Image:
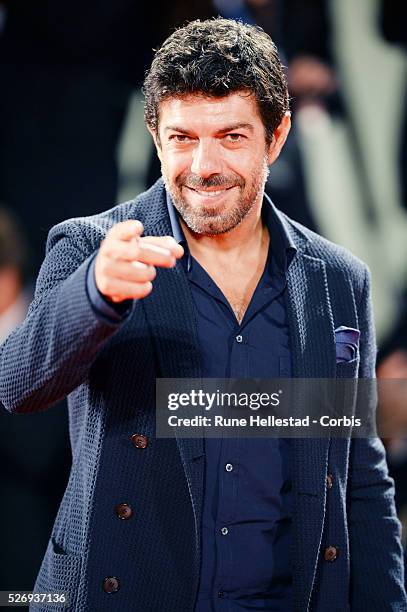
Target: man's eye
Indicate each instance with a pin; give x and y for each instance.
(180, 137)
(234, 137)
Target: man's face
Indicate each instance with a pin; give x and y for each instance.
(214, 158)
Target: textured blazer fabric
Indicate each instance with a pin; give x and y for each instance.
(346, 551)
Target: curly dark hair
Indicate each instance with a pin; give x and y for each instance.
(217, 57)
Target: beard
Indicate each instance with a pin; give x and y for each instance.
(219, 218)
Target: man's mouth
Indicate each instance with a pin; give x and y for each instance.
(211, 192)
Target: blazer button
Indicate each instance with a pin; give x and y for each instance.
(111, 584)
(124, 511)
(139, 440)
(331, 553)
(329, 481)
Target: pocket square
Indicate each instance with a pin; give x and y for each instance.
(347, 343)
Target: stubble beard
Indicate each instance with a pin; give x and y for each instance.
(215, 220)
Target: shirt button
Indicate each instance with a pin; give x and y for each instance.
(239, 338)
(224, 531)
(228, 467)
(220, 594)
(111, 584)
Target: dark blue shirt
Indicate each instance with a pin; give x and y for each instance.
(247, 501)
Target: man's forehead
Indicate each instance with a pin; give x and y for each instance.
(238, 107)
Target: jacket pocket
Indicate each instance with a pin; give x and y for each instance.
(348, 369)
(59, 573)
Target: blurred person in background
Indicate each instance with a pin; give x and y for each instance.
(14, 298)
(392, 356)
(392, 375)
(302, 30)
(392, 411)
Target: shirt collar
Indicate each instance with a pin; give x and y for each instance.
(282, 244)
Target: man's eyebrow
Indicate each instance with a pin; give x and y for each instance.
(174, 128)
(236, 126)
(229, 128)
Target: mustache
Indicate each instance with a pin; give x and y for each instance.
(197, 182)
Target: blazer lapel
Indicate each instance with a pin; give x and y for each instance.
(313, 353)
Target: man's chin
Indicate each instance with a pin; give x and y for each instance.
(204, 215)
(211, 217)
(212, 225)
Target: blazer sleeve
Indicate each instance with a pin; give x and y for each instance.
(377, 571)
(51, 352)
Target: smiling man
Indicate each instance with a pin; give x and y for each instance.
(215, 170)
(202, 276)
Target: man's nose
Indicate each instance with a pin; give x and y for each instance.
(205, 159)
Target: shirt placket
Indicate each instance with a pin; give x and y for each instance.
(225, 527)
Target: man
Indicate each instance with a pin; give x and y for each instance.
(179, 525)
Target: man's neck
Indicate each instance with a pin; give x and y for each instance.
(235, 261)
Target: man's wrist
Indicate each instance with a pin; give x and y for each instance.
(111, 311)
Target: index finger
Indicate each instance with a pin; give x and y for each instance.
(126, 230)
(167, 242)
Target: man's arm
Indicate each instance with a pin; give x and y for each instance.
(50, 354)
(377, 572)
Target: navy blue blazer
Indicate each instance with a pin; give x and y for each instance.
(108, 371)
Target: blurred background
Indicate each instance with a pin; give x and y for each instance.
(73, 143)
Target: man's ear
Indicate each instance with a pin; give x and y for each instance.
(279, 137)
(156, 141)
